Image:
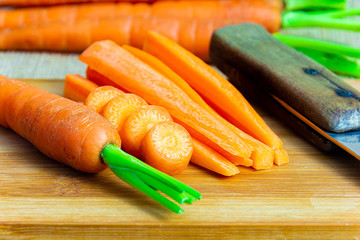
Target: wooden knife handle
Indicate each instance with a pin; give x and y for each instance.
(302, 83)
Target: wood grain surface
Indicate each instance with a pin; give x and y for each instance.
(315, 196)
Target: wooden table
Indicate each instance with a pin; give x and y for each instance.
(315, 196)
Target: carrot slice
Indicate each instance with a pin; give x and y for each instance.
(212, 86)
(100, 96)
(118, 109)
(138, 124)
(167, 147)
(77, 88)
(137, 77)
(281, 157)
(262, 156)
(210, 159)
(100, 79)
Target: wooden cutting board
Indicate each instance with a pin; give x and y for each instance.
(315, 196)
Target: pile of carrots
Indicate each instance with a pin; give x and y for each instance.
(73, 27)
(225, 130)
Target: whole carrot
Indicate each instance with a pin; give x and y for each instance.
(71, 133)
(78, 32)
(265, 12)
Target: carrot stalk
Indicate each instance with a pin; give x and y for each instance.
(73, 134)
(213, 87)
(295, 5)
(139, 78)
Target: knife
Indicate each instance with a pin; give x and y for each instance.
(310, 98)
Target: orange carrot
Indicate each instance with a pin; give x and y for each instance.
(77, 88)
(262, 156)
(62, 129)
(167, 146)
(100, 96)
(265, 12)
(100, 79)
(202, 154)
(210, 159)
(213, 87)
(118, 109)
(137, 77)
(76, 36)
(138, 124)
(27, 3)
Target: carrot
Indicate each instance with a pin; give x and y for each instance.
(137, 77)
(208, 158)
(138, 124)
(100, 79)
(28, 3)
(213, 87)
(265, 12)
(76, 36)
(202, 154)
(118, 109)
(100, 96)
(167, 146)
(60, 128)
(262, 156)
(71, 133)
(77, 88)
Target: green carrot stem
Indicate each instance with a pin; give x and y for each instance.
(292, 5)
(319, 45)
(147, 179)
(326, 19)
(337, 63)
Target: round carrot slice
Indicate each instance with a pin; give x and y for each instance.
(118, 109)
(167, 147)
(138, 124)
(100, 96)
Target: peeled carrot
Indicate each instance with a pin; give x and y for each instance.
(167, 146)
(265, 12)
(262, 156)
(100, 79)
(77, 88)
(100, 96)
(60, 128)
(139, 78)
(214, 88)
(202, 154)
(118, 109)
(76, 36)
(138, 124)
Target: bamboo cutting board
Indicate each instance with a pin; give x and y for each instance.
(315, 196)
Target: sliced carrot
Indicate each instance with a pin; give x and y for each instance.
(138, 124)
(130, 73)
(118, 109)
(281, 157)
(262, 156)
(100, 96)
(210, 159)
(213, 87)
(77, 88)
(100, 79)
(167, 147)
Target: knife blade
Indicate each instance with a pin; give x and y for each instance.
(310, 98)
